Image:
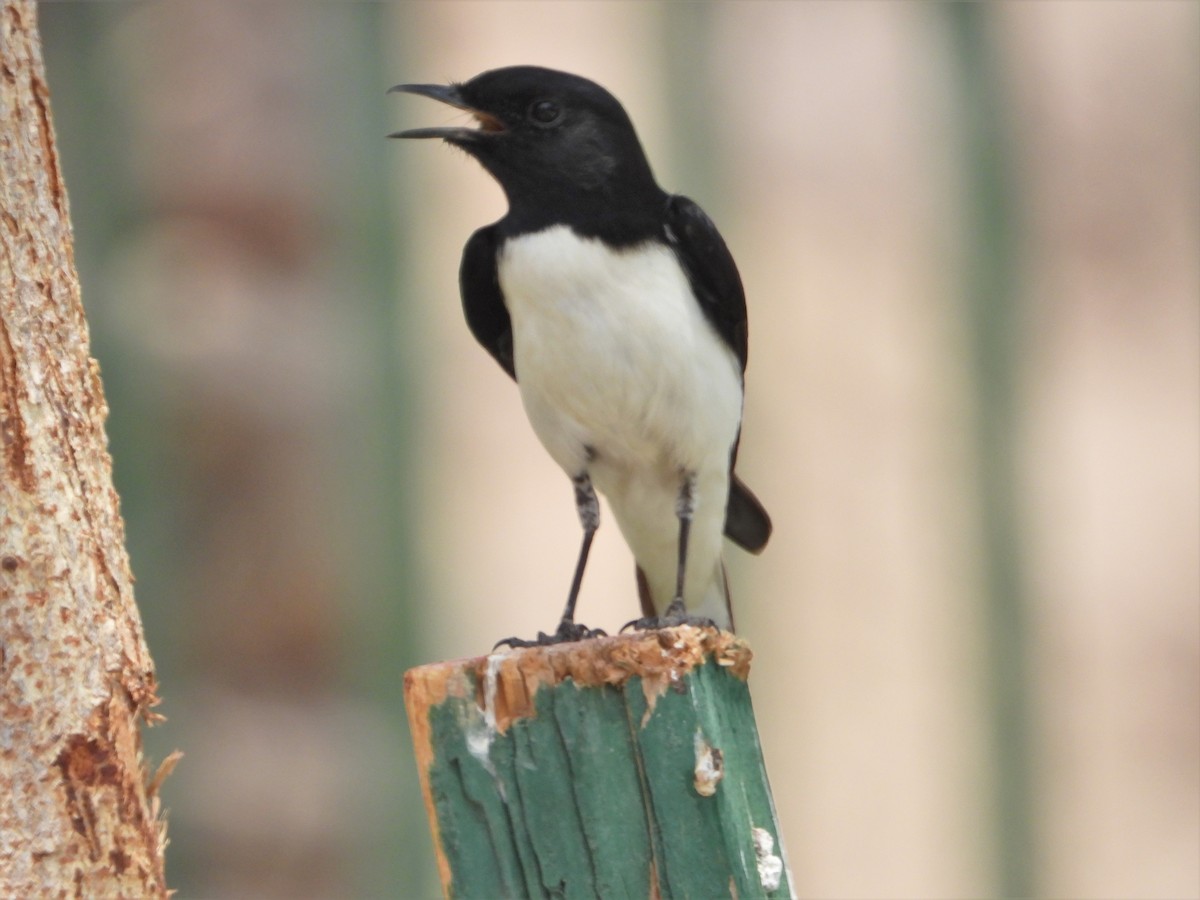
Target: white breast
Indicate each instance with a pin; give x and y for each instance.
(614, 354)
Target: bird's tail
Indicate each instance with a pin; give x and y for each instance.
(720, 584)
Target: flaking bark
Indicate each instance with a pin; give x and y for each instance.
(76, 817)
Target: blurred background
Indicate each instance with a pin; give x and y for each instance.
(969, 240)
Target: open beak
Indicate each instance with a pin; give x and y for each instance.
(448, 94)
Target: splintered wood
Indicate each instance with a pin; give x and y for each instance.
(619, 766)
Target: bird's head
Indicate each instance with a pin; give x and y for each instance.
(547, 137)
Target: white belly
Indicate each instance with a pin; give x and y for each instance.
(623, 377)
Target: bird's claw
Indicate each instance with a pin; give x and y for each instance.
(567, 632)
(676, 614)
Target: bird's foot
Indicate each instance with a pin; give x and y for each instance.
(567, 632)
(676, 614)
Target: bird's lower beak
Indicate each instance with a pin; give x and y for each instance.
(448, 94)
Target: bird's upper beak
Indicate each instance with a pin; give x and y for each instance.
(451, 96)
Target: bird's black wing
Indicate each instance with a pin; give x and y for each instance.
(482, 299)
(713, 277)
(710, 269)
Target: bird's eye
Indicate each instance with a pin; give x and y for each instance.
(544, 112)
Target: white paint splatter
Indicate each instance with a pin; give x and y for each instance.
(770, 866)
(710, 766)
(479, 740)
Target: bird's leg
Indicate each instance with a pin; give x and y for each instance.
(685, 505)
(589, 517)
(676, 613)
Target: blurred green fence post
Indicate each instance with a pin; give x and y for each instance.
(990, 304)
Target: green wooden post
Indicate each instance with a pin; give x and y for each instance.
(626, 766)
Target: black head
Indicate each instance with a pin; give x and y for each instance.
(554, 141)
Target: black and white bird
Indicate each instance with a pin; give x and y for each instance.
(620, 313)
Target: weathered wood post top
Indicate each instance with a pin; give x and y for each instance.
(623, 766)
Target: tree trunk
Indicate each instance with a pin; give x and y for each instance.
(76, 816)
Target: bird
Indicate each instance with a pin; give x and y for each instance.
(618, 310)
